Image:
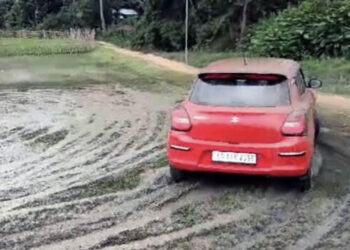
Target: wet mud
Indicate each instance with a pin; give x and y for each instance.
(86, 169)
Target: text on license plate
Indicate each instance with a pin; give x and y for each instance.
(229, 157)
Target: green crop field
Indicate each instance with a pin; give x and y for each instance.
(36, 46)
(20, 65)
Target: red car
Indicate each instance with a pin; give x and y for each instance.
(249, 117)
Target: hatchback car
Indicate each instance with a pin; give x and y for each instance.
(248, 117)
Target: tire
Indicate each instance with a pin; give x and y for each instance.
(306, 182)
(317, 126)
(177, 175)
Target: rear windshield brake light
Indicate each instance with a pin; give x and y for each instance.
(216, 76)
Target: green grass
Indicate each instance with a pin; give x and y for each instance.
(199, 58)
(102, 65)
(190, 215)
(127, 180)
(335, 73)
(228, 202)
(130, 179)
(99, 66)
(120, 40)
(36, 46)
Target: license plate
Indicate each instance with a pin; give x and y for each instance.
(238, 158)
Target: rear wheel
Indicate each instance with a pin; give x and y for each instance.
(176, 174)
(306, 182)
(317, 126)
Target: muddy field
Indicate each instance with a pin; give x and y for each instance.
(85, 168)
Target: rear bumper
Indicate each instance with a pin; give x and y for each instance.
(288, 158)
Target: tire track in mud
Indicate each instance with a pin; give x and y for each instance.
(78, 154)
(88, 171)
(108, 139)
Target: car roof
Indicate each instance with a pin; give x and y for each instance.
(271, 66)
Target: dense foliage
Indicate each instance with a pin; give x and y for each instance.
(58, 14)
(290, 28)
(214, 23)
(313, 29)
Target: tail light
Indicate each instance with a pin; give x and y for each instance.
(295, 125)
(180, 120)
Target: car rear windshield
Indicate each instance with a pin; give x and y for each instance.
(241, 91)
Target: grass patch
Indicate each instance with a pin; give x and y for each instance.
(228, 202)
(119, 39)
(335, 73)
(128, 180)
(138, 73)
(160, 162)
(39, 47)
(190, 215)
(102, 65)
(199, 59)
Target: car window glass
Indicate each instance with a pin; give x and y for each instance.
(241, 93)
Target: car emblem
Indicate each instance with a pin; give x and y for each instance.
(235, 120)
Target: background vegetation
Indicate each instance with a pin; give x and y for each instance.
(102, 65)
(214, 23)
(58, 14)
(284, 28)
(36, 46)
(334, 72)
(316, 32)
(316, 28)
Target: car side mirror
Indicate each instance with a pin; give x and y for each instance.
(315, 83)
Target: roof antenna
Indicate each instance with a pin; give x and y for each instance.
(245, 61)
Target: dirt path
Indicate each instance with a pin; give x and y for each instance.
(85, 169)
(160, 61)
(324, 99)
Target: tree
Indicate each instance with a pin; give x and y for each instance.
(103, 22)
(244, 21)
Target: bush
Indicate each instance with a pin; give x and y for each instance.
(118, 38)
(166, 35)
(120, 35)
(313, 29)
(35, 46)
